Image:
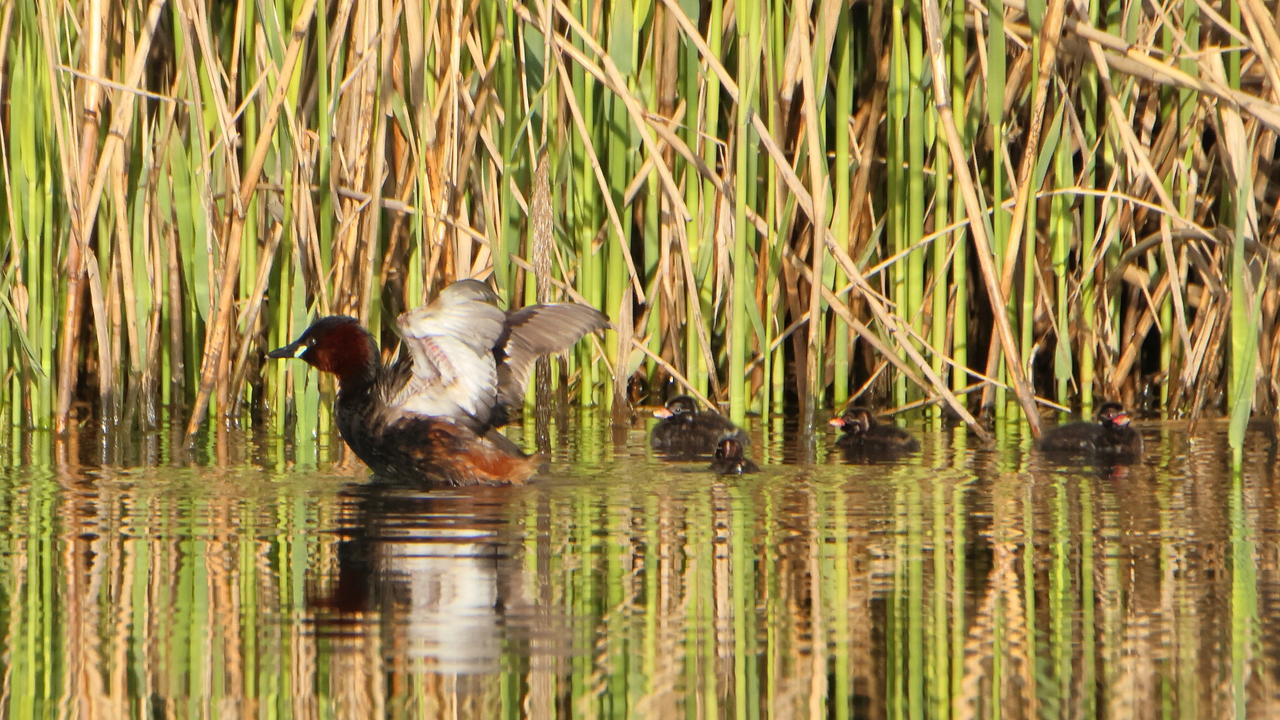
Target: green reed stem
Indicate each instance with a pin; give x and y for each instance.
(917, 134)
(840, 179)
(623, 144)
(509, 92)
(1245, 308)
(959, 243)
(583, 208)
(1091, 102)
(939, 251)
(773, 381)
(748, 27)
(1000, 220)
(699, 225)
(1060, 229)
(896, 158)
(1187, 102)
(700, 245)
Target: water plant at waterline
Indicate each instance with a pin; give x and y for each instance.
(984, 209)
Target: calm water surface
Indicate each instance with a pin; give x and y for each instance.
(966, 581)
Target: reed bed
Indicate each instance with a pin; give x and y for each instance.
(985, 209)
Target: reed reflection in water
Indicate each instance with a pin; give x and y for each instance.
(958, 582)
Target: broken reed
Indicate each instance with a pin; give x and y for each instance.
(186, 186)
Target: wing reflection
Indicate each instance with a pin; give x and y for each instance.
(433, 573)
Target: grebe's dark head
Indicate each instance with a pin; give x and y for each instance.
(729, 448)
(854, 421)
(1113, 415)
(678, 405)
(335, 344)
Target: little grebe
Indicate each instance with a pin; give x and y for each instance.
(864, 439)
(729, 459)
(686, 431)
(1111, 436)
(431, 417)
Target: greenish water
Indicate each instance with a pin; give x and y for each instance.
(964, 581)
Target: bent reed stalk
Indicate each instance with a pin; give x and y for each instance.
(788, 204)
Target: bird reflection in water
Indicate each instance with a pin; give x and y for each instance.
(432, 573)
